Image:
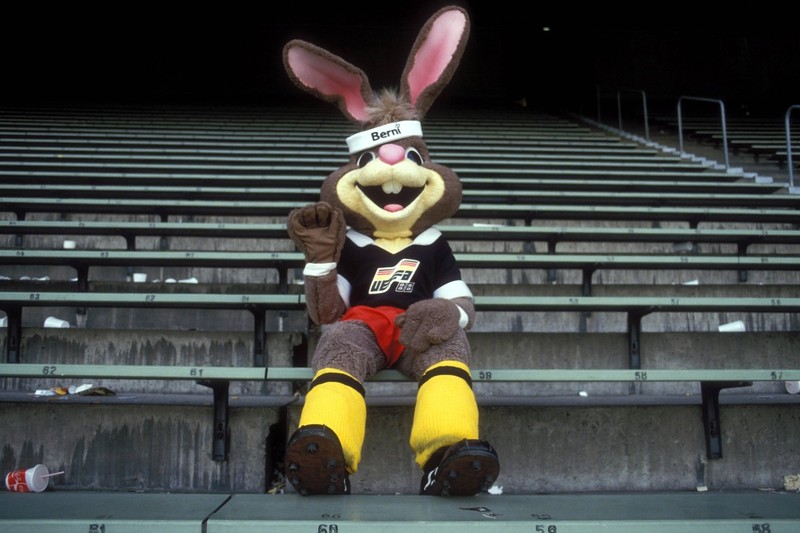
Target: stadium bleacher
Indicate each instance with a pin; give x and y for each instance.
(605, 275)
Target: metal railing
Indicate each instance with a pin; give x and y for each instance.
(644, 111)
(619, 109)
(724, 125)
(789, 160)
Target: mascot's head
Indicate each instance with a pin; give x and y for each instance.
(390, 188)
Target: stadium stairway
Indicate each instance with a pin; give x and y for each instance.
(758, 140)
(634, 353)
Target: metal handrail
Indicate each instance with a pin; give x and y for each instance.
(789, 161)
(597, 94)
(644, 111)
(724, 125)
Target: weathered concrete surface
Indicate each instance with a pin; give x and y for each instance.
(144, 447)
(150, 347)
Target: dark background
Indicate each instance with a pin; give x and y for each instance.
(229, 54)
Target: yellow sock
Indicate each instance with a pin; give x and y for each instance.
(335, 402)
(446, 410)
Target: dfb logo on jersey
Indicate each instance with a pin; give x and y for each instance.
(401, 274)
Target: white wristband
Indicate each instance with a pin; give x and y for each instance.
(318, 269)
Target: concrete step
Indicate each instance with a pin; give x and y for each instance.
(488, 320)
(542, 449)
(689, 512)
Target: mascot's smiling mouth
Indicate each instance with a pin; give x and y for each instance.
(390, 201)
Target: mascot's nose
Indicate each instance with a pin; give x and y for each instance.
(391, 154)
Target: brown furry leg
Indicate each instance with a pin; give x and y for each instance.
(326, 447)
(349, 346)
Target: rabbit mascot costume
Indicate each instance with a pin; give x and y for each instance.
(382, 281)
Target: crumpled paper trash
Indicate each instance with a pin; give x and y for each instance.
(86, 389)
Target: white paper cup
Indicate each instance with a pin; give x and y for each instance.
(736, 325)
(793, 387)
(34, 479)
(70, 245)
(139, 277)
(53, 322)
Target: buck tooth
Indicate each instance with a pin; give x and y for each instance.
(392, 187)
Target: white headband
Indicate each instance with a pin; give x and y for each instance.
(383, 134)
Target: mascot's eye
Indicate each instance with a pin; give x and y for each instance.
(365, 158)
(413, 155)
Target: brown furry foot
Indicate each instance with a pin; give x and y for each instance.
(463, 469)
(315, 462)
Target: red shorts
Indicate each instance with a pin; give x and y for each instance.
(381, 321)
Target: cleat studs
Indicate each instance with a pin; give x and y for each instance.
(331, 463)
(312, 448)
(294, 467)
(476, 465)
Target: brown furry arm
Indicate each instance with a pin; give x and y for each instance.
(319, 232)
(323, 301)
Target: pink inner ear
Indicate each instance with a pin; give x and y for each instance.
(329, 79)
(435, 54)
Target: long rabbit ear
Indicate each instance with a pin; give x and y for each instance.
(434, 57)
(328, 77)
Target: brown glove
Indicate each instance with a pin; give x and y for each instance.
(428, 322)
(318, 230)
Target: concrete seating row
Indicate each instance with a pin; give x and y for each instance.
(164, 209)
(588, 264)
(552, 235)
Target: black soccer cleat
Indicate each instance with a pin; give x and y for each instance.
(466, 468)
(315, 462)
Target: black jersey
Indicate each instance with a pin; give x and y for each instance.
(372, 276)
